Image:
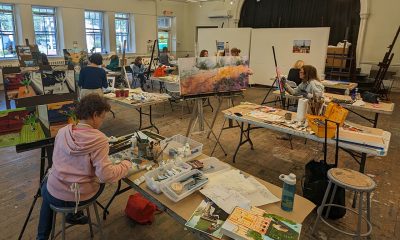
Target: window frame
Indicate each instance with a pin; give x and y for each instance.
(126, 18)
(13, 32)
(166, 29)
(95, 31)
(46, 33)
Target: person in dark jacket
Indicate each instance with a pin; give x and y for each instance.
(294, 72)
(93, 78)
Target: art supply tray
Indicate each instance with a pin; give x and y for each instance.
(151, 177)
(179, 141)
(213, 165)
(189, 186)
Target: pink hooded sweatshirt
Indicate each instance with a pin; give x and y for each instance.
(81, 156)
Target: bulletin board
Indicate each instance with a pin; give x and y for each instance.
(237, 37)
(307, 44)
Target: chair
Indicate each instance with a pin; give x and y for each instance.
(353, 181)
(66, 210)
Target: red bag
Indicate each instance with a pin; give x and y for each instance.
(140, 209)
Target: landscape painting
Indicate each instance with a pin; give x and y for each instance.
(208, 75)
(20, 125)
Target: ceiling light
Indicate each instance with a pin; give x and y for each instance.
(231, 2)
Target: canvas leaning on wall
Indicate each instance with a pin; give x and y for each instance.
(208, 75)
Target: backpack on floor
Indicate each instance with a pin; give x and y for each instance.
(140, 209)
(315, 182)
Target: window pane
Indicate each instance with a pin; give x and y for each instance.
(121, 30)
(7, 34)
(94, 30)
(44, 22)
(163, 38)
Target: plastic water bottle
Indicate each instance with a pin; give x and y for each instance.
(355, 94)
(288, 191)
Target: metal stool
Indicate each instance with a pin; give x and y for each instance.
(353, 181)
(66, 210)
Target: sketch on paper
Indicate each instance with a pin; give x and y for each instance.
(213, 75)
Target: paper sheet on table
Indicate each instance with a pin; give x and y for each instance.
(266, 116)
(250, 188)
(225, 198)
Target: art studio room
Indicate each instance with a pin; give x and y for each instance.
(199, 119)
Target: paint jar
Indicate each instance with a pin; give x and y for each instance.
(288, 191)
(117, 93)
(126, 93)
(288, 116)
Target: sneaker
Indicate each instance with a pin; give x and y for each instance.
(77, 219)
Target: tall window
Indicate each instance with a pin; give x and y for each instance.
(122, 30)
(7, 31)
(44, 23)
(164, 32)
(94, 31)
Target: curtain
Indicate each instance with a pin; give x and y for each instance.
(340, 15)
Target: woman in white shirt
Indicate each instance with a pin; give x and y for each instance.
(310, 84)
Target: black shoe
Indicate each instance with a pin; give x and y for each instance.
(77, 219)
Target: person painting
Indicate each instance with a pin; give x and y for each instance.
(114, 62)
(164, 57)
(310, 83)
(204, 53)
(235, 52)
(138, 70)
(80, 162)
(93, 78)
(294, 72)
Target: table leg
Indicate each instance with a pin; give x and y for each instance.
(112, 198)
(151, 120)
(140, 118)
(241, 141)
(376, 119)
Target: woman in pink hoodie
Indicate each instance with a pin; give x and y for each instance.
(80, 162)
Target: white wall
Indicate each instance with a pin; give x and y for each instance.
(382, 23)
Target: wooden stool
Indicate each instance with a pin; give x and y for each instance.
(353, 181)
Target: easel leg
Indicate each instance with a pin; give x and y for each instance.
(219, 136)
(151, 120)
(44, 150)
(215, 116)
(376, 120)
(200, 109)
(140, 118)
(193, 117)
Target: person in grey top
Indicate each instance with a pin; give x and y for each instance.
(310, 84)
(164, 57)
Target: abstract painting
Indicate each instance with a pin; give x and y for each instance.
(209, 75)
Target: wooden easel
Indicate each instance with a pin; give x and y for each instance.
(379, 87)
(124, 74)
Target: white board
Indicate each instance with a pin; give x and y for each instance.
(237, 37)
(261, 56)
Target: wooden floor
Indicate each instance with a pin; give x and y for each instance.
(19, 175)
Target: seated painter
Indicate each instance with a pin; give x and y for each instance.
(114, 62)
(235, 52)
(294, 72)
(165, 57)
(80, 162)
(310, 83)
(138, 70)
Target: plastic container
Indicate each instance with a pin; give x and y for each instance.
(151, 176)
(288, 191)
(213, 165)
(179, 141)
(187, 189)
